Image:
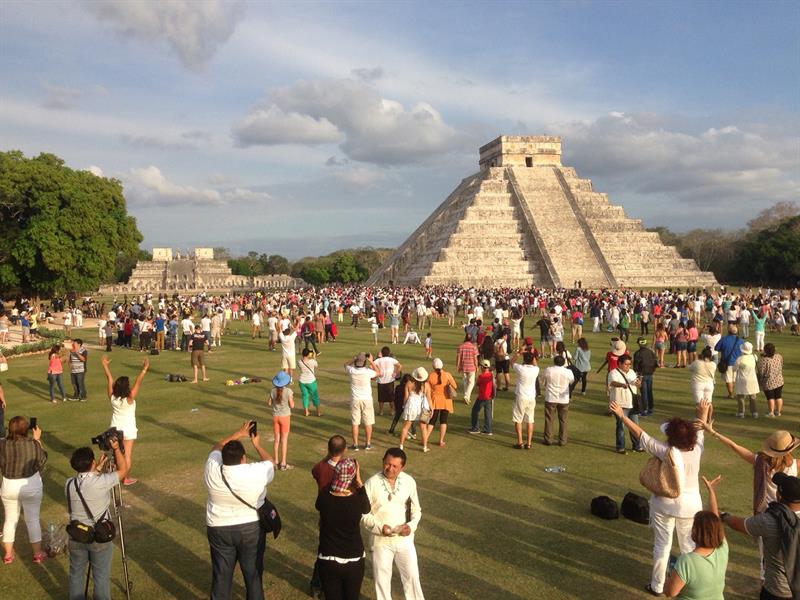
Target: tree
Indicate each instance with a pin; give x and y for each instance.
(315, 274)
(771, 217)
(60, 229)
(772, 256)
(275, 264)
(124, 264)
(344, 269)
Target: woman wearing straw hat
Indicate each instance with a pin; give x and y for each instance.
(416, 402)
(281, 399)
(341, 549)
(746, 381)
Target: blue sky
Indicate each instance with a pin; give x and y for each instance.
(300, 128)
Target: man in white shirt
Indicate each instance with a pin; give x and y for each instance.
(187, 326)
(233, 528)
(205, 326)
(389, 368)
(288, 358)
(272, 325)
(524, 398)
(557, 380)
(622, 383)
(362, 412)
(391, 538)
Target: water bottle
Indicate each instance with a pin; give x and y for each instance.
(555, 469)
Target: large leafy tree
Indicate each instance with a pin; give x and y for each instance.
(772, 256)
(60, 229)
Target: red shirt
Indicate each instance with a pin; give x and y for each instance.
(324, 473)
(613, 360)
(485, 385)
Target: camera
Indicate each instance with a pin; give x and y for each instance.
(32, 423)
(253, 429)
(103, 441)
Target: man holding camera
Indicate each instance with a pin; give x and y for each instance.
(94, 486)
(362, 412)
(233, 528)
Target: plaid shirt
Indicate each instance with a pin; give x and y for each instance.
(21, 458)
(468, 357)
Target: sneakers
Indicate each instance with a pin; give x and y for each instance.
(401, 446)
(755, 415)
(621, 451)
(771, 415)
(486, 433)
(368, 447)
(740, 415)
(426, 449)
(473, 430)
(353, 448)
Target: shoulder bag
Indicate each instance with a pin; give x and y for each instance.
(661, 476)
(103, 530)
(635, 398)
(268, 515)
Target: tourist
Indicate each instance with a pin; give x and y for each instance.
(394, 326)
(272, 326)
(340, 552)
(746, 380)
(545, 333)
(466, 364)
(199, 342)
(769, 371)
(216, 330)
(558, 380)
(777, 527)
(701, 572)
(255, 325)
(399, 403)
(94, 487)
(416, 401)
(362, 412)
(308, 335)
(323, 471)
(428, 345)
(729, 349)
(523, 410)
(308, 381)
(281, 399)
(671, 514)
(77, 370)
(235, 487)
(288, 351)
(583, 358)
(21, 461)
(187, 327)
(660, 338)
(55, 368)
(703, 373)
(691, 346)
(645, 363)
(760, 330)
(159, 326)
(501, 361)
(710, 339)
(393, 518)
(389, 368)
(123, 408)
(486, 394)
(577, 323)
(3, 328)
(621, 383)
(681, 346)
(442, 387)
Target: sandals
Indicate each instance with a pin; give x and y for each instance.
(9, 558)
(39, 557)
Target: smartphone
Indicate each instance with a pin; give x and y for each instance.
(253, 431)
(32, 422)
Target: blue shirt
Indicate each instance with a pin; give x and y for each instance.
(159, 324)
(730, 348)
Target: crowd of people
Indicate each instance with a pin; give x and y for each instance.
(706, 333)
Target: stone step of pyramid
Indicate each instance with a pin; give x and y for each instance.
(616, 225)
(482, 228)
(495, 238)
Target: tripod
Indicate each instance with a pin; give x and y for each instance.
(116, 501)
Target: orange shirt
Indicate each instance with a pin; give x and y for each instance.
(438, 399)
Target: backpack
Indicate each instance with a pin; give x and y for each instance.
(636, 508)
(605, 508)
(789, 525)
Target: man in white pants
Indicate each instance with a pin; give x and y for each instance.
(391, 536)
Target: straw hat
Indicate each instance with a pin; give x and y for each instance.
(747, 348)
(779, 443)
(618, 348)
(420, 374)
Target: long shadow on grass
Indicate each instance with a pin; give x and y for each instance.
(34, 387)
(178, 429)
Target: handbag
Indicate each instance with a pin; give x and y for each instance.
(426, 413)
(636, 406)
(268, 515)
(103, 530)
(661, 476)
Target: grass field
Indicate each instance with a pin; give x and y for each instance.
(494, 523)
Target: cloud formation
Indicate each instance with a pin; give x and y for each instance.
(375, 129)
(650, 154)
(148, 186)
(60, 97)
(193, 29)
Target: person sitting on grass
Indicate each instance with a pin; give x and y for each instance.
(281, 399)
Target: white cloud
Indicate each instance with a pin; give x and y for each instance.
(360, 177)
(193, 29)
(61, 97)
(368, 74)
(272, 126)
(94, 170)
(149, 186)
(376, 129)
(733, 167)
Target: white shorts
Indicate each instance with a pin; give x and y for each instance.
(289, 361)
(730, 375)
(523, 411)
(702, 391)
(362, 412)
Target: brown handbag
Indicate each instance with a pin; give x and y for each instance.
(661, 477)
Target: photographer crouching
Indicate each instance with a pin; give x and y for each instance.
(91, 531)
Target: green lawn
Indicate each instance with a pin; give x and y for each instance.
(494, 524)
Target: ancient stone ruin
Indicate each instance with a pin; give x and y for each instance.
(197, 272)
(525, 220)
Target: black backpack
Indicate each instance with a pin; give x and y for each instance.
(636, 508)
(605, 508)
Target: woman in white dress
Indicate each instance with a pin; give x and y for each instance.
(417, 400)
(703, 372)
(123, 407)
(746, 385)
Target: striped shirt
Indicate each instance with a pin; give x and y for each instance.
(21, 458)
(468, 357)
(76, 365)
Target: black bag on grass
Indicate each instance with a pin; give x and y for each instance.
(605, 508)
(636, 508)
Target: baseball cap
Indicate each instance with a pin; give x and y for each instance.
(486, 364)
(788, 486)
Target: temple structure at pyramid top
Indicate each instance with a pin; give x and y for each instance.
(525, 220)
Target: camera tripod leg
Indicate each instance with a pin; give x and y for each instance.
(117, 501)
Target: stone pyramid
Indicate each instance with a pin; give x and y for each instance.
(525, 220)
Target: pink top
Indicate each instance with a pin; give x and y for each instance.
(55, 367)
(693, 334)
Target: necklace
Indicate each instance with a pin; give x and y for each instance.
(390, 492)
